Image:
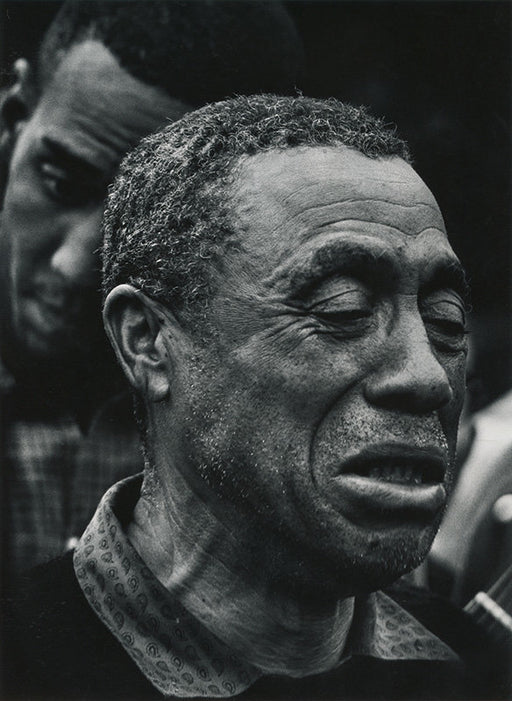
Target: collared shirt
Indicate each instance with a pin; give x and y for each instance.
(177, 654)
(54, 474)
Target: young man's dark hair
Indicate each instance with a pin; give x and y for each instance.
(196, 50)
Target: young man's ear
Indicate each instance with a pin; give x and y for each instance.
(146, 338)
(18, 101)
(16, 105)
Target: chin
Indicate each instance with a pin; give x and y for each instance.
(380, 559)
(371, 576)
(40, 347)
(34, 353)
(388, 558)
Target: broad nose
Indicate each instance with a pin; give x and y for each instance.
(75, 257)
(409, 377)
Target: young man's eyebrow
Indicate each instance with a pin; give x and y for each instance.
(72, 160)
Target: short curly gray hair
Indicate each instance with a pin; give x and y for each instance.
(168, 210)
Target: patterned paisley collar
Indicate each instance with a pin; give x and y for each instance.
(177, 654)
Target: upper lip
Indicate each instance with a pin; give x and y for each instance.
(431, 461)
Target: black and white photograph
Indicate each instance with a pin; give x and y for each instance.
(255, 350)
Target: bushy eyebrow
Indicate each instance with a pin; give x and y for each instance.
(448, 274)
(375, 265)
(342, 258)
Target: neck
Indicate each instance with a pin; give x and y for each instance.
(228, 584)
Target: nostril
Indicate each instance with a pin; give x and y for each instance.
(444, 391)
(403, 390)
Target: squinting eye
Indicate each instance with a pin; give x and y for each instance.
(446, 323)
(349, 312)
(343, 316)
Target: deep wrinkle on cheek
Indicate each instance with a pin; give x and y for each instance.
(279, 342)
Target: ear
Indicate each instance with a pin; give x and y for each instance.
(142, 333)
(19, 100)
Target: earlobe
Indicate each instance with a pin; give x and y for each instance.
(134, 324)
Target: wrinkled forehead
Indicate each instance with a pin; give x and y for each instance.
(296, 208)
(313, 186)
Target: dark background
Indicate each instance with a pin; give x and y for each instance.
(442, 72)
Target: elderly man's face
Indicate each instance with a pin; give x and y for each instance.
(327, 407)
(66, 154)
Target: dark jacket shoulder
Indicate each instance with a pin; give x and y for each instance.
(487, 663)
(55, 646)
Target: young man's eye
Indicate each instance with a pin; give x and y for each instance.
(66, 187)
(55, 179)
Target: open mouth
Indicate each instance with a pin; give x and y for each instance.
(385, 481)
(398, 470)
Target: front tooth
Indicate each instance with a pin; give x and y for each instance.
(388, 472)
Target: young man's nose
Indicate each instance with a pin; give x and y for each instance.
(75, 257)
(410, 377)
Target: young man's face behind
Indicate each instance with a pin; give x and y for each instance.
(66, 153)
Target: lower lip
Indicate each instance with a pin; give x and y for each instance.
(370, 494)
(47, 319)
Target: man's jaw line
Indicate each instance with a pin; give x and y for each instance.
(206, 571)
